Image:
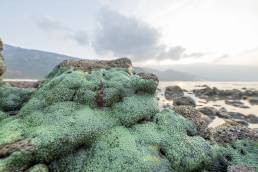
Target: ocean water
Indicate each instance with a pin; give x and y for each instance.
(189, 86)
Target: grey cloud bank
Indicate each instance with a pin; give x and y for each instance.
(127, 36)
(119, 35)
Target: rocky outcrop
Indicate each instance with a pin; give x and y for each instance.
(214, 93)
(90, 65)
(173, 92)
(2, 65)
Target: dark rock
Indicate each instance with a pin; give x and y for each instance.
(202, 85)
(215, 93)
(222, 113)
(251, 118)
(253, 100)
(184, 100)
(236, 115)
(209, 111)
(172, 92)
(236, 103)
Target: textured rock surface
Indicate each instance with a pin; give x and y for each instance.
(98, 116)
(231, 131)
(2, 65)
(163, 144)
(194, 115)
(89, 65)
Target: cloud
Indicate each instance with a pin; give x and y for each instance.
(220, 58)
(57, 30)
(126, 36)
(118, 35)
(195, 55)
(174, 53)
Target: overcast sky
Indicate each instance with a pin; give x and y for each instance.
(150, 32)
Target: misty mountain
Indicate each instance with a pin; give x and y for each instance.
(169, 75)
(34, 64)
(30, 64)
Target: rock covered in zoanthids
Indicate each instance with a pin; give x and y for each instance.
(2, 65)
(166, 143)
(238, 155)
(71, 110)
(103, 119)
(194, 115)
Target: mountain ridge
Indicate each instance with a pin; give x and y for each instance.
(25, 63)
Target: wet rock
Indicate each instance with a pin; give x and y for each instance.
(253, 100)
(252, 118)
(184, 100)
(172, 92)
(236, 103)
(209, 111)
(236, 115)
(214, 93)
(223, 113)
(206, 92)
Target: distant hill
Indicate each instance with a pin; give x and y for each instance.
(33, 64)
(169, 75)
(30, 64)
